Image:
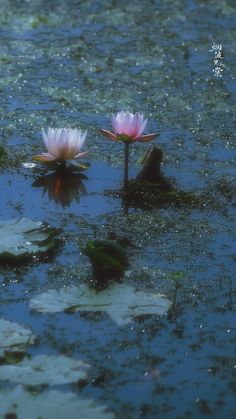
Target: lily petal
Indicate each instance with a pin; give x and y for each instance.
(140, 127)
(81, 154)
(109, 135)
(44, 157)
(147, 137)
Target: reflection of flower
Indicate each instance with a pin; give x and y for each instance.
(62, 144)
(128, 127)
(63, 186)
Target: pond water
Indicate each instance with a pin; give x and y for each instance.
(73, 63)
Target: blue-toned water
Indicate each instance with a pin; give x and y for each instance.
(71, 63)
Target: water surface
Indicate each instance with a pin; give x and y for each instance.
(72, 63)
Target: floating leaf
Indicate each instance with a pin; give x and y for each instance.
(49, 405)
(121, 302)
(44, 369)
(22, 238)
(13, 337)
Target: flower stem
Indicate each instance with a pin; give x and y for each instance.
(126, 172)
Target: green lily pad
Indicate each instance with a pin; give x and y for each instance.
(20, 239)
(14, 339)
(18, 403)
(121, 302)
(44, 369)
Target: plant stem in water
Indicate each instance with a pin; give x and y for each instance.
(126, 173)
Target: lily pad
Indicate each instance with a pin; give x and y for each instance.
(53, 404)
(14, 337)
(121, 302)
(44, 369)
(20, 239)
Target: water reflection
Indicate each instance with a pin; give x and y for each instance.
(63, 186)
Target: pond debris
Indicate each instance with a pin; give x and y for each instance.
(28, 165)
(108, 258)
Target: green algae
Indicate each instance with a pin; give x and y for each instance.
(147, 195)
(10, 160)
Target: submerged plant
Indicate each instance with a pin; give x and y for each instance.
(128, 128)
(3, 156)
(62, 144)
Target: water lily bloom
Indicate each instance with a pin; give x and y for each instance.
(128, 127)
(62, 144)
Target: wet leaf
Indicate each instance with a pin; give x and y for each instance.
(49, 405)
(121, 302)
(14, 338)
(44, 369)
(14, 357)
(108, 258)
(22, 238)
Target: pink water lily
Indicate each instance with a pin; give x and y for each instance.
(62, 144)
(128, 127)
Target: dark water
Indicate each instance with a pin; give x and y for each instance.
(72, 63)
